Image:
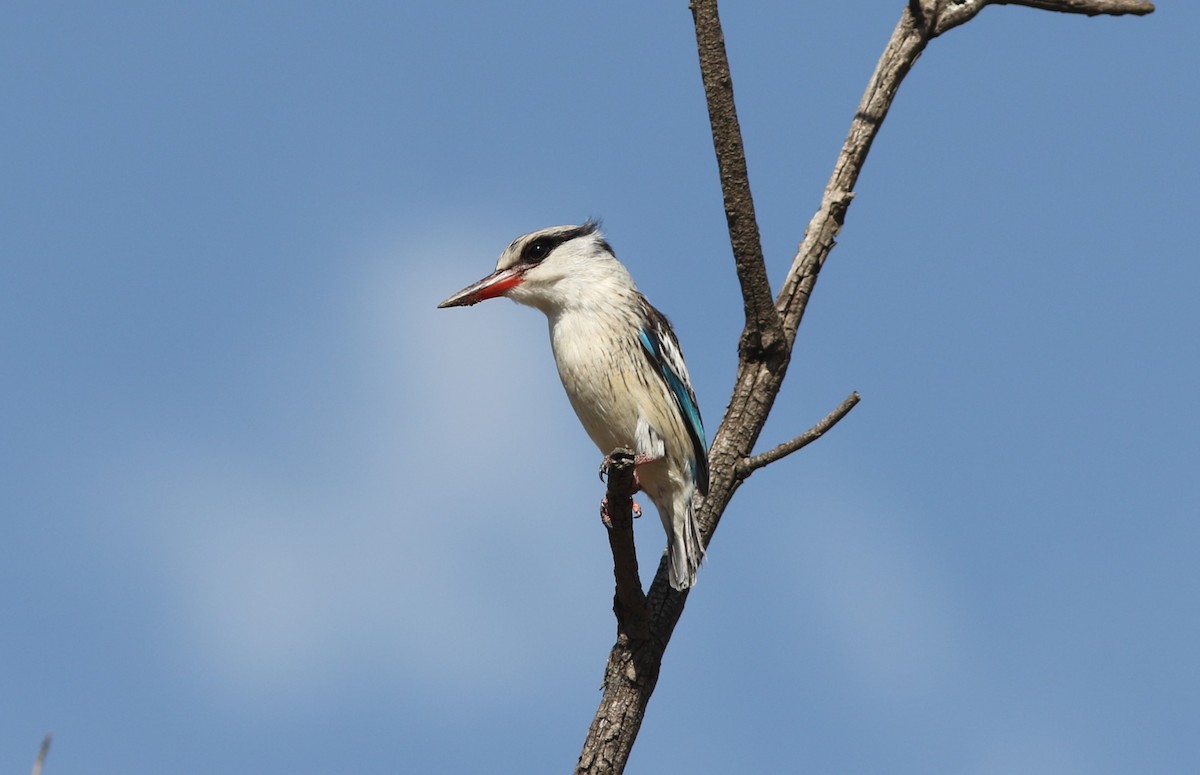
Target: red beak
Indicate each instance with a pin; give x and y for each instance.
(496, 284)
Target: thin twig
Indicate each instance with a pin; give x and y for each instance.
(1088, 7)
(952, 15)
(40, 761)
(751, 464)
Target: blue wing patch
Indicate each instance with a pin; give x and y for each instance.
(658, 340)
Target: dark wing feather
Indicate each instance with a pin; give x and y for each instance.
(662, 348)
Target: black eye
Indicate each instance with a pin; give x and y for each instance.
(536, 251)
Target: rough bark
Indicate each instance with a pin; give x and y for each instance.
(629, 601)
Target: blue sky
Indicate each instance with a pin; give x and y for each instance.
(266, 509)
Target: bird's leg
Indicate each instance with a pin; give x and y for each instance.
(639, 459)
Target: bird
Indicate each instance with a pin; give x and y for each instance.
(621, 366)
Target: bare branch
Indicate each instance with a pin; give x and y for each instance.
(949, 16)
(921, 21)
(906, 44)
(633, 665)
(751, 464)
(1088, 7)
(762, 337)
(629, 602)
(629, 680)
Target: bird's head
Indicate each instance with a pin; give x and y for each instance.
(548, 268)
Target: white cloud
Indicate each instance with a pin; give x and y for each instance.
(401, 558)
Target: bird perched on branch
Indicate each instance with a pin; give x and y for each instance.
(621, 366)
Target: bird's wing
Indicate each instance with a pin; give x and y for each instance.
(662, 348)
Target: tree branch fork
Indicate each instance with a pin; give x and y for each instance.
(645, 621)
(629, 601)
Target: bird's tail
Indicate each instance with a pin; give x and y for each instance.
(684, 548)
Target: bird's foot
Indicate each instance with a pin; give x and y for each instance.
(623, 456)
(606, 518)
(609, 460)
(638, 460)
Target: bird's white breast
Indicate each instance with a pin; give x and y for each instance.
(600, 363)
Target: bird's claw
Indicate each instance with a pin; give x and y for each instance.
(606, 518)
(620, 454)
(635, 507)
